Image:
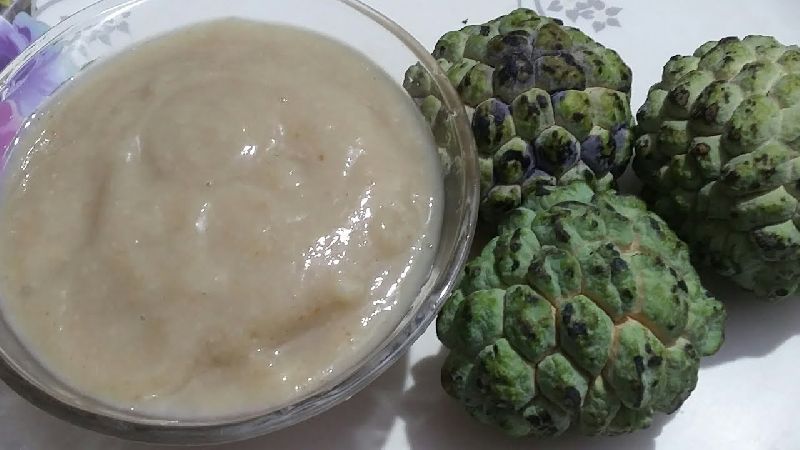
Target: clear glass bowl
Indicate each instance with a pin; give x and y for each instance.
(111, 26)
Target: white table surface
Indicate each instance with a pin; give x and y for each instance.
(747, 393)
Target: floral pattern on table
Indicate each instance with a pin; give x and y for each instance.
(600, 14)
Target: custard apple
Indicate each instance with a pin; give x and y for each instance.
(584, 314)
(544, 99)
(719, 153)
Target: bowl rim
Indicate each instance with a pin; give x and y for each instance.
(350, 382)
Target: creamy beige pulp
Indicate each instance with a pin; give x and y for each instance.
(219, 221)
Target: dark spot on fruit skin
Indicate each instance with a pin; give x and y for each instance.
(542, 191)
(536, 421)
(542, 101)
(515, 247)
(512, 163)
(655, 361)
(506, 204)
(516, 39)
(648, 348)
(530, 332)
(485, 30)
(560, 233)
(768, 242)
(566, 313)
(626, 294)
(514, 69)
(515, 265)
(735, 134)
(673, 272)
(638, 362)
(536, 270)
(656, 226)
(572, 397)
(600, 70)
(638, 388)
(701, 149)
(597, 270)
(682, 286)
(569, 59)
(709, 113)
(468, 315)
(577, 329)
(680, 97)
(578, 117)
(543, 422)
(482, 123)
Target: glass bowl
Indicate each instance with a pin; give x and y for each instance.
(112, 26)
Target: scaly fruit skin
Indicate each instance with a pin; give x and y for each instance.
(545, 101)
(719, 153)
(583, 313)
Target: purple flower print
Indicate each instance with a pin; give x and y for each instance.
(39, 77)
(16, 37)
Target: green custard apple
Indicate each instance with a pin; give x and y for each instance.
(584, 314)
(719, 153)
(544, 100)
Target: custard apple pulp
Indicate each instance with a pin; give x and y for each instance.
(545, 100)
(584, 314)
(719, 153)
